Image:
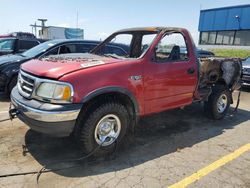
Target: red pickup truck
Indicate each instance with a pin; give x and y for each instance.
(99, 96)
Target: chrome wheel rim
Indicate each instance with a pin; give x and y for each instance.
(222, 103)
(107, 130)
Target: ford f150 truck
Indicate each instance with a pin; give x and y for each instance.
(99, 96)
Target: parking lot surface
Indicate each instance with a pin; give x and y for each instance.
(165, 149)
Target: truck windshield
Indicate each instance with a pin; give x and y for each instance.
(126, 45)
(39, 49)
(6, 44)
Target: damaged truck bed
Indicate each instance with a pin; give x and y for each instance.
(217, 69)
(214, 70)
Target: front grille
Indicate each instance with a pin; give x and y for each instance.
(25, 84)
(246, 78)
(246, 71)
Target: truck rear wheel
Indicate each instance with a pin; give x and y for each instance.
(103, 127)
(218, 103)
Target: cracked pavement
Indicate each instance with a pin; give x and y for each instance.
(166, 148)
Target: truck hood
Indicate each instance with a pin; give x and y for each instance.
(57, 66)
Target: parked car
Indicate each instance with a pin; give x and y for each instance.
(98, 97)
(15, 45)
(19, 35)
(204, 53)
(200, 53)
(246, 72)
(9, 64)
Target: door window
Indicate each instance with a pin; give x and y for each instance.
(172, 47)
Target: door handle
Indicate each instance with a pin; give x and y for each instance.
(191, 70)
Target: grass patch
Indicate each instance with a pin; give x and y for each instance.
(231, 53)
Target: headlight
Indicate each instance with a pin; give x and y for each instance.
(55, 92)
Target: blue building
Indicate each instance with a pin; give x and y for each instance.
(225, 27)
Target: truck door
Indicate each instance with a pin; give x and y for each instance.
(170, 78)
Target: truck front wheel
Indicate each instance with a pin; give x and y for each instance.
(102, 127)
(218, 103)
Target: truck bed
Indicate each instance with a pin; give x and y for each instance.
(214, 70)
(219, 69)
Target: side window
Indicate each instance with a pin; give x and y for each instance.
(83, 48)
(172, 47)
(68, 48)
(52, 52)
(7, 44)
(26, 44)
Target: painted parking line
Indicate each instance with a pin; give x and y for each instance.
(208, 169)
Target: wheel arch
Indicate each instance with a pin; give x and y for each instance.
(112, 90)
(118, 94)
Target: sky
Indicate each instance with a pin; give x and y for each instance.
(100, 18)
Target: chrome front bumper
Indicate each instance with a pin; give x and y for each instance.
(45, 116)
(53, 119)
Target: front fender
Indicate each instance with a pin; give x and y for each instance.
(10, 72)
(110, 89)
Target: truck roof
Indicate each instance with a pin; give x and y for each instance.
(149, 29)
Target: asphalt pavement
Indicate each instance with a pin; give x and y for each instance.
(176, 148)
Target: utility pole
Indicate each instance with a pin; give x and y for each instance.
(42, 23)
(35, 26)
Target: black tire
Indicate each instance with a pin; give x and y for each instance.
(86, 125)
(211, 106)
(12, 84)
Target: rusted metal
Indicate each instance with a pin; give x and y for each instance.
(220, 69)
